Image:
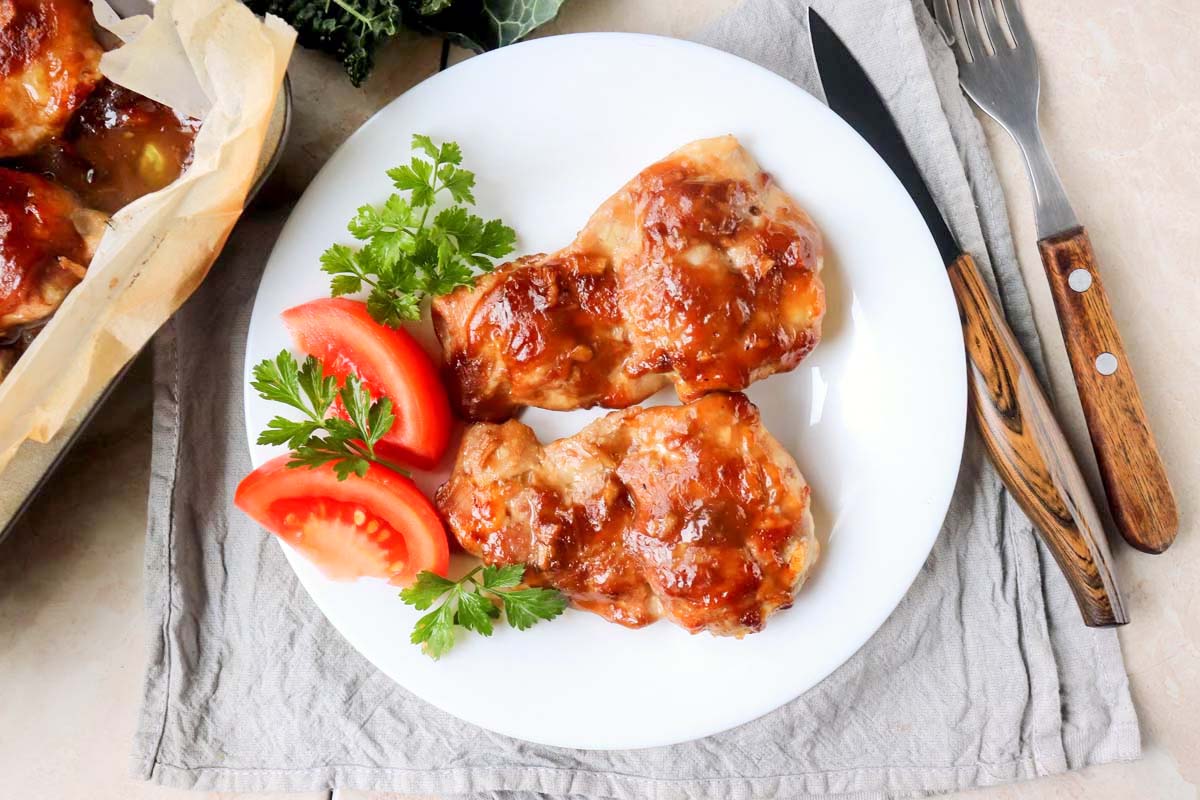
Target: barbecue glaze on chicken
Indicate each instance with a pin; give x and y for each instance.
(49, 64)
(700, 272)
(46, 243)
(74, 148)
(692, 513)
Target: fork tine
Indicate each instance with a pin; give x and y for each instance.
(991, 26)
(945, 21)
(972, 42)
(1016, 23)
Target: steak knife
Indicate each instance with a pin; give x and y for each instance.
(1014, 417)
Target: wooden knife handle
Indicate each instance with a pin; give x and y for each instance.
(1030, 451)
(1139, 495)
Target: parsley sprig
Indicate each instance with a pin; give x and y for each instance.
(319, 438)
(471, 603)
(408, 255)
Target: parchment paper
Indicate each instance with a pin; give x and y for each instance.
(210, 59)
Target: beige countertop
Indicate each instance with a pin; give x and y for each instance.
(1121, 96)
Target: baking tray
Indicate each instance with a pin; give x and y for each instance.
(35, 462)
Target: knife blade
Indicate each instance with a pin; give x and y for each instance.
(1014, 417)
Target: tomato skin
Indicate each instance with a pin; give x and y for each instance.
(390, 362)
(347, 546)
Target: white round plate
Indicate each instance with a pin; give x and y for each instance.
(874, 416)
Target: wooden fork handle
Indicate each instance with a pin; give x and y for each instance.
(1135, 480)
(1030, 451)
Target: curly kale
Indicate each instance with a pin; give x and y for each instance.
(351, 30)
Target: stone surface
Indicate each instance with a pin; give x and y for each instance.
(1120, 98)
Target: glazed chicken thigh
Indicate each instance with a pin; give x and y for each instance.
(694, 513)
(701, 272)
(49, 64)
(46, 243)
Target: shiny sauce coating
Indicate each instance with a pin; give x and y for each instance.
(692, 513)
(700, 272)
(118, 147)
(74, 148)
(49, 64)
(42, 253)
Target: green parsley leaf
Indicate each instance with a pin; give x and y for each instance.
(379, 420)
(405, 179)
(526, 607)
(277, 380)
(345, 284)
(471, 603)
(503, 577)
(318, 439)
(425, 590)
(318, 387)
(465, 228)
(338, 259)
(435, 631)
(412, 252)
(366, 223)
(458, 182)
(357, 402)
(284, 431)
(391, 309)
(450, 153)
(497, 239)
(475, 612)
(423, 143)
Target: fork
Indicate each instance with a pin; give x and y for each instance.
(997, 66)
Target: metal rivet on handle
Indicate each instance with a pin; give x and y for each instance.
(1106, 363)
(1080, 280)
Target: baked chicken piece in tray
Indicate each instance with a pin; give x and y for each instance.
(692, 513)
(49, 64)
(46, 243)
(74, 148)
(701, 272)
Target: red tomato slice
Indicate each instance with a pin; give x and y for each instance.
(380, 526)
(389, 362)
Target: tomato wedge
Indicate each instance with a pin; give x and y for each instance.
(380, 526)
(389, 362)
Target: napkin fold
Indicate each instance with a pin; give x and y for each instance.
(983, 674)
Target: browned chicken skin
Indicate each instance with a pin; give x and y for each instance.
(700, 272)
(100, 145)
(693, 513)
(49, 64)
(46, 242)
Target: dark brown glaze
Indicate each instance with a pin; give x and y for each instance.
(49, 64)
(42, 251)
(544, 329)
(119, 146)
(693, 513)
(692, 308)
(700, 272)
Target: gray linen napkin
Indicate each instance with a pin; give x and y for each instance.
(983, 674)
